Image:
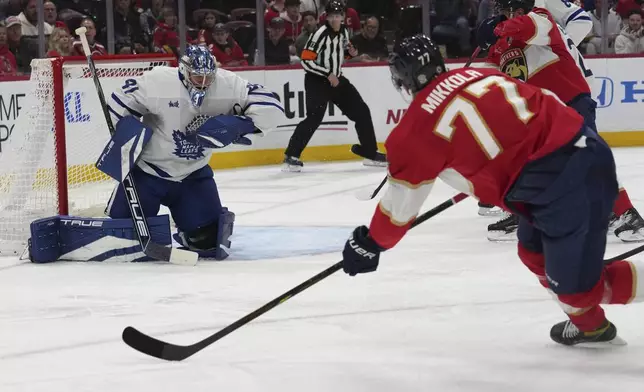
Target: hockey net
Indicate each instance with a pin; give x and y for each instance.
(47, 166)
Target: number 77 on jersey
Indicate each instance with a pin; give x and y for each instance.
(476, 129)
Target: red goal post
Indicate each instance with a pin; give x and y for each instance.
(47, 164)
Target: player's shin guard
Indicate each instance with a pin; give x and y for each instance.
(212, 241)
(69, 238)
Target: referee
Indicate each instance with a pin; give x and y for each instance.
(322, 59)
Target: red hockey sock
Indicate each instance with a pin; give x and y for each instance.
(535, 262)
(621, 283)
(623, 203)
(590, 319)
(583, 308)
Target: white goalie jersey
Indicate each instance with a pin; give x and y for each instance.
(573, 19)
(162, 103)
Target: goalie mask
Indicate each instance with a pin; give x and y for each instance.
(197, 70)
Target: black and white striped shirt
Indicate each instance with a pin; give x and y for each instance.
(325, 51)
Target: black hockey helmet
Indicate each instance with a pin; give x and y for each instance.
(335, 7)
(415, 62)
(513, 5)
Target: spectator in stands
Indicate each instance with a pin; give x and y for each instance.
(94, 46)
(29, 19)
(225, 49)
(128, 36)
(309, 26)
(14, 34)
(94, 9)
(276, 46)
(10, 8)
(165, 34)
(274, 9)
(486, 10)
(314, 6)
(624, 7)
(453, 28)
(206, 34)
(148, 18)
(631, 39)
(593, 42)
(60, 43)
(8, 64)
(51, 13)
(371, 45)
(352, 20)
(292, 19)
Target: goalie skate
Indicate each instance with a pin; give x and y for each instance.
(568, 334)
(504, 230)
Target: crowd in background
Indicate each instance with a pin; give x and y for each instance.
(228, 27)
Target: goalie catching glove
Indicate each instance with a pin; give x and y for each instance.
(361, 253)
(221, 131)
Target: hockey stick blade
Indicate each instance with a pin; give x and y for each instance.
(366, 195)
(173, 255)
(173, 352)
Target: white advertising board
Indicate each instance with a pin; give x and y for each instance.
(618, 89)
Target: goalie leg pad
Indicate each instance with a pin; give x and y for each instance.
(69, 238)
(124, 148)
(209, 241)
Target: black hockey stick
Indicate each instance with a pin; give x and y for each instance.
(370, 196)
(173, 352)
(625, 255)
(150, 248)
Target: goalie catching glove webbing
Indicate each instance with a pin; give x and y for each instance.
(221, 131)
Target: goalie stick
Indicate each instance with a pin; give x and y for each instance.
(361, 194)
(151, 249)
(174, 352)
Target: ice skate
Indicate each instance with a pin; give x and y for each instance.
(568, 334)
(629, 227)
(505, 229)
(489, 210)
(378, 159)
(292, 165)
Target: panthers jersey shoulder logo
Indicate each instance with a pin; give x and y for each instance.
(513, 63)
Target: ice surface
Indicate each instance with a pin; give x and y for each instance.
(446, 311)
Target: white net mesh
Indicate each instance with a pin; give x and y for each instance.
(29, 187)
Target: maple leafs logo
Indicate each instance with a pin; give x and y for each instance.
(185, 147)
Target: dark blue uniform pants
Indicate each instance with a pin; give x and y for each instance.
(193, 202)
(566, 199)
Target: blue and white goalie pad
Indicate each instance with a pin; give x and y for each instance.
(70, 238)
(124, 148)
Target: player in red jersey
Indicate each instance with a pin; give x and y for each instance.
(526, 43)
(513, 145)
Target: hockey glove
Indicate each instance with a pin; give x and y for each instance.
(519, 28)
(221, 131)
(485, 36)
(361, 253)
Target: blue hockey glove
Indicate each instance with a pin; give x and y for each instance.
(485, 36)
(221, 131)
(361, 253)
